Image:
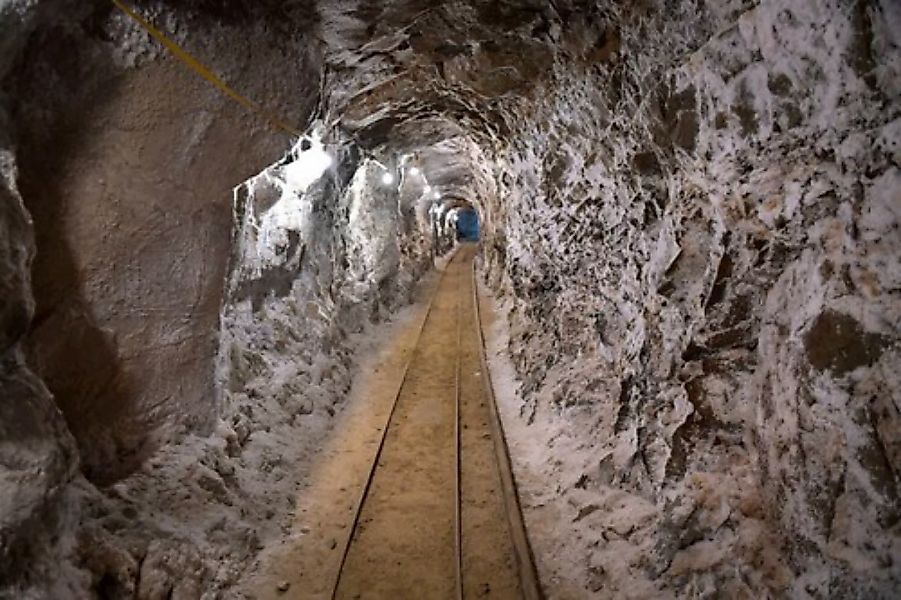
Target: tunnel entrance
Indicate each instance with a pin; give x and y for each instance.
(467, 224)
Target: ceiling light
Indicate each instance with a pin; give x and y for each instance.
(414, 171)
(387, 178)
(311, 162)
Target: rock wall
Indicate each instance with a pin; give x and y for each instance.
(314, 262)
(700, 239)
(127, 160)
(37, 454)
(115, 215)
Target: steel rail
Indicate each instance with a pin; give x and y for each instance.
(530, 584)
(378, 453)
(458, 518)
(203, 71)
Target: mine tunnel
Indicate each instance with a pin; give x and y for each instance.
(466, 222)
(408, 299)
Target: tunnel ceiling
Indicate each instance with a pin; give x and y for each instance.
(416, 77)
(427, 79)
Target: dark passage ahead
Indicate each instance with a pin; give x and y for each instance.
(468, 225)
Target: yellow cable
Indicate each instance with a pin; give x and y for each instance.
(196, 66)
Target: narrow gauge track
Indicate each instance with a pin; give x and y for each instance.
(438, 516)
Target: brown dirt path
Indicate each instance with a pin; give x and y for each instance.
(489, 570)
(405, 543)
(306, 561)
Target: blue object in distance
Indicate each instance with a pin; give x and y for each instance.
(468, 225)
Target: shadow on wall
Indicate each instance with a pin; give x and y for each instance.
(76, 358)
(128, 174)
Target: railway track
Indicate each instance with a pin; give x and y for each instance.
(438, 516)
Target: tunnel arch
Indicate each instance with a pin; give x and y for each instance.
(687, 212)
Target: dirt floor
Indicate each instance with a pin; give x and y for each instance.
(405, 543)
(559, 559)
(305, 563)
(488, 567)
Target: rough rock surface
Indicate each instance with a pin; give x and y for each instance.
(37, 453)
(132, 210)
(690, 210)
(705, 301)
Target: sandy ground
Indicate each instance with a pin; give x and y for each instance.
(488, 567)
(557, 559)
(304, 564)
(406, 536)
(405, 543)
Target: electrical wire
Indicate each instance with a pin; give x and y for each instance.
(198, 67)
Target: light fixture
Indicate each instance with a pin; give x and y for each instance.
(414, 171)
(427, 189)
(387, 178)
(311, 161)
